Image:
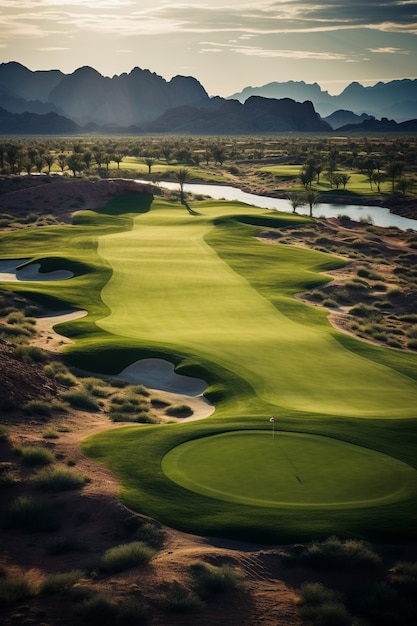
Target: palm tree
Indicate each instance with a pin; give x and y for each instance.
(312, 198)
(182, 175)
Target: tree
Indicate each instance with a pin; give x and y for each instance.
(219, 154)
(75, 163)
(118, 158)
(295, 200)
(149, 161)
(98, 157)
(49, 160)
(87, 158)
(40, 163)
(311, 198)
(182, 175)
(403, 185)
(378, 178)
(394, 171)
(13, 155)
(62, 161)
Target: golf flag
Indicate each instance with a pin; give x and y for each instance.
(272, 419)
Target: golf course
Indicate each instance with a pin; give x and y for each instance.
(200, 290)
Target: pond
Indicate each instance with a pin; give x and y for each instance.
(380, 216)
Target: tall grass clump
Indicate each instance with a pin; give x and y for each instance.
(98, 610)
(179, 599)
(4, 432)
(404, 575)
(96, 387)
(334, 553)
(30, 354)
(32, 515)
(80, 399)
(61, 582)
(179, 410)
(58, 479)
(126, 556)
(14, 589)
(59, 372)
(321, 606)
(38, 406)
(212, 579)
(35, 455)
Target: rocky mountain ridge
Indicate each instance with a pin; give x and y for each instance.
(50, 102)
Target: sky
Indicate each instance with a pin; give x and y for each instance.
(227, 45)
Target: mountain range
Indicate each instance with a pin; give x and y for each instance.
(396, 99)
(51, 102)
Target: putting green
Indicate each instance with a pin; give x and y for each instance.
(289, 469)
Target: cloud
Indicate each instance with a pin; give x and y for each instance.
(283, 54)
(123, 18)
(40, 4)
(388, 51)
(52, 49)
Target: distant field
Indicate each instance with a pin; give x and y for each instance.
(203, 292)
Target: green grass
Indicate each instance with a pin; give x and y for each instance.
(294, 470)
(203, 292)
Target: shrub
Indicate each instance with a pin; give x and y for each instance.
(394, 293)
(38, 407)
(363, 310)
(60, 373)
(404, 574)
(35, 455)
(14, 590)
(50, 433)
(30, 354)
(99, 610)
(329, 614)
(329, 303)
(132, 613)
(80, 400)
(8, 477)
(412, 332)
(412, 345)
(96, 387)
(333, 553)
(126, 556)
(32, 515)
(141, 390)
(4, 432)
(58, 583)
(178, 599)
(179, 410)
(58, 479)
(159, 403)
(211, 579)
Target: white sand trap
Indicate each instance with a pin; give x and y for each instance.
(47, 322)
(159, 374)
(10, 273)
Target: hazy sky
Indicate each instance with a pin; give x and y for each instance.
(226, 45)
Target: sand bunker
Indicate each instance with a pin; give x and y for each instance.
(159, 374)
(10, 273)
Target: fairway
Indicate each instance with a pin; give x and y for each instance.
(170, 287)
(290, 469)
(202, 292)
